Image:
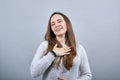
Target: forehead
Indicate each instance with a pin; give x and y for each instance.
(56, 17)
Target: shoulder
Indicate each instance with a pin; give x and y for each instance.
(43, 44)
(79, 46)
(80, 49)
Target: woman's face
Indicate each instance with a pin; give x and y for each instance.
(58, 25)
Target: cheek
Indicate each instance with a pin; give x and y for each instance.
(52, 28)
(65, 28)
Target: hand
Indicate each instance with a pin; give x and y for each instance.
(61, 51)
(62, 78)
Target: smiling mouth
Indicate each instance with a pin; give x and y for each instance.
(58, 28)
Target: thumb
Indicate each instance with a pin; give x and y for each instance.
(55, 46)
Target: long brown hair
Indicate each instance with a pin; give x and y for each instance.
(70, 41)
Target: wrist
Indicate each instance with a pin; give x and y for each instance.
(53, 53)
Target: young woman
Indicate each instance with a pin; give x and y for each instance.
(59, 57)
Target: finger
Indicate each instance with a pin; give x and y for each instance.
(68, 50)
(55, 46)
(65, 49)
(66, 53)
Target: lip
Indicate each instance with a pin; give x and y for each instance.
(58, 28)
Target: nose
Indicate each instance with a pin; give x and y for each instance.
(56, 24)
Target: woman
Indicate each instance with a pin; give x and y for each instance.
(59, 57)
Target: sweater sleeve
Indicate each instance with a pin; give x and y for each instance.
(41, 63)
(85, 72)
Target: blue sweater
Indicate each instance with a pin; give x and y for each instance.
(40, 65)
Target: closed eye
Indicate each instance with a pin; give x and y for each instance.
(59, 20)
(52, 24)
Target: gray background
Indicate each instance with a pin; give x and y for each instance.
(23, 23)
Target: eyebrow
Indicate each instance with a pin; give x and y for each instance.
(57, 20)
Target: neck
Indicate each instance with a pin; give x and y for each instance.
(61, 39)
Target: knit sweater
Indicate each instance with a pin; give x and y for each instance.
(41, 65)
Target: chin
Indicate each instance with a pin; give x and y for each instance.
(60, 34)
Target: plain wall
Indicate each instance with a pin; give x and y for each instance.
(23, 24)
